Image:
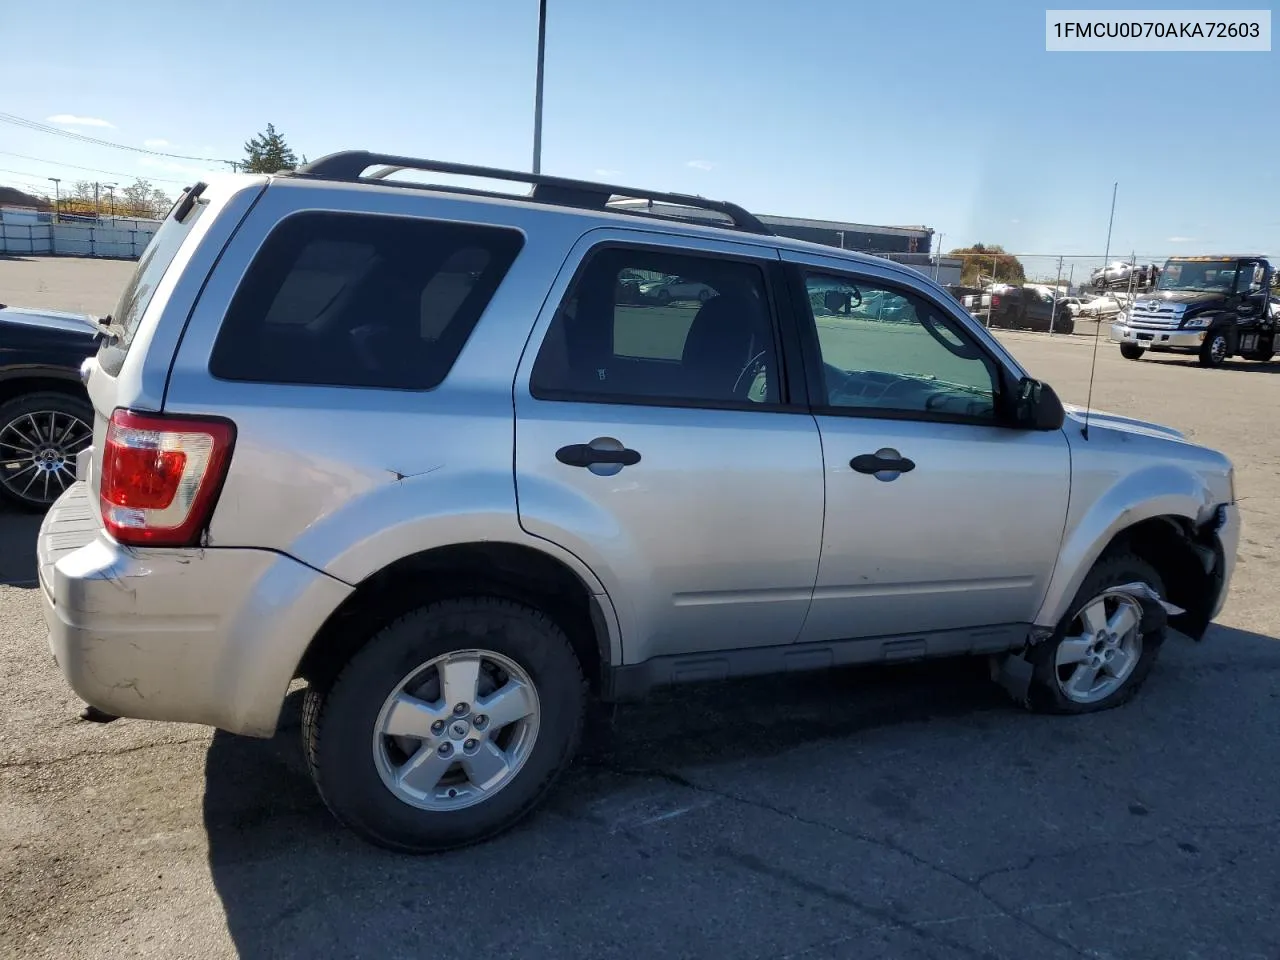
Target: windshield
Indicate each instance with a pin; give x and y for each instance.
(1201, 275)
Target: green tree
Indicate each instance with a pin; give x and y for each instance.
(983, 261)
(141, 199)
(268, 152)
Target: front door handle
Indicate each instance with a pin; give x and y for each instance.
(884, 464)
(591, 454)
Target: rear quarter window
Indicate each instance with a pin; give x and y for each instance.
(343, 299)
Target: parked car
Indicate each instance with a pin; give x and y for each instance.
(45, 416)
(676, 288)
(1103, 307)
(591, 503)
(1026, 307)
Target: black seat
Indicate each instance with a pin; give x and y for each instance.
(722, 338)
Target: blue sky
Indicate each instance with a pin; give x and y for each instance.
(946, 114)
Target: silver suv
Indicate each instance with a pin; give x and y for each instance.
(423, 447)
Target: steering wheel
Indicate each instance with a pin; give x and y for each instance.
(753, 367)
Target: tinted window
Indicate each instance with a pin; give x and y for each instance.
(355, 300)
(651, 326)
(883, 349)
(153, 263)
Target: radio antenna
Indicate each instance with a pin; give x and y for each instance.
(1097, 333)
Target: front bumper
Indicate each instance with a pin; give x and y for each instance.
(1155, 339)
(1228, 534)
(210, 636)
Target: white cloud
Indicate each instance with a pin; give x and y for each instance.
(1015, 220)
(156, 143)
(700, 164)
(601, 172)
(71, 120)
(1180, 239)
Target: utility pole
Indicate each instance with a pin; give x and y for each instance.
(537, 94)
(97, 207)
(937, 259)
(57, 197)
(111, 194)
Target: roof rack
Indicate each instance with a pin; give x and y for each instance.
(352, 164)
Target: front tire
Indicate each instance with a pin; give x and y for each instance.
(1098, 657)
(1214, 350)
(448, 726)
(1131, 351)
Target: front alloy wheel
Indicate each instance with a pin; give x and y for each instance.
(1099, 656)
(1101, 649)
(41, 435)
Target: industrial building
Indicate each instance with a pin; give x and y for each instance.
(908, 245)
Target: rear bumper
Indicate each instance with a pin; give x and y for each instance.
(1155, 339)
(208, 636)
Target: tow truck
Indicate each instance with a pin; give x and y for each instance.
(1213, 306)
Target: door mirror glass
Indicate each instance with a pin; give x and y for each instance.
(1038, 406)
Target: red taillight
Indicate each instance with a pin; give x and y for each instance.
(161, 476)
(995, 300)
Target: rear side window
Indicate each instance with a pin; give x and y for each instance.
(353, 300)
(153, 263)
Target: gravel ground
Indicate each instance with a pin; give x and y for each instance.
(907, 812)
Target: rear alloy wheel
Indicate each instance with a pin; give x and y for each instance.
(40, 436)
(448, 726)
(1214, 350)
(1099, 656)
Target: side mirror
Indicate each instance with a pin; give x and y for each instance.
(1038, 406)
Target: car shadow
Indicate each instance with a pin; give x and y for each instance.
(18, 531)
(1189, 360)
(283, 866)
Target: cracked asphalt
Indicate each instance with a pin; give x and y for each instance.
(882, 813)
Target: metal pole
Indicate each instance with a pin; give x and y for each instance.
(1054, 311)
(97, 207)
(537, 96)
(57, 197)
(992, 295)
(937, 259)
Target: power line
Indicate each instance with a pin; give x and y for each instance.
(75, 166)
(84, 138)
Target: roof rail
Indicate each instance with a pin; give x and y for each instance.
(352, 164)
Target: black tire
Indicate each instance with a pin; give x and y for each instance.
(1214, 350)
(1131, 351)
(339, 721)
(1111, 571)
(13, 413)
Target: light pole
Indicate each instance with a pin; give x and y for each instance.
(57, 197)
(537, 95)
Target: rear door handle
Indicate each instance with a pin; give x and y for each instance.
(590, 454)
(886, 461)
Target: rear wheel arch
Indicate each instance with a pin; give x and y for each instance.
(511, 571)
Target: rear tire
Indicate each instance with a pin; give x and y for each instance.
(1131, 351)
(1057, 686)
(406, 674)
(40, 435)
